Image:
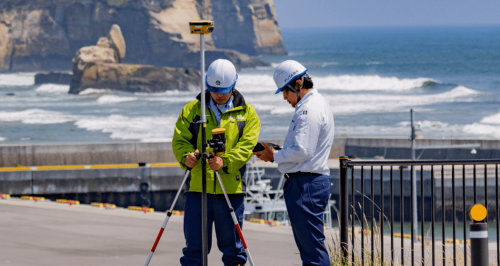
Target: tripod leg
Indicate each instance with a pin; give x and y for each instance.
(236, 224)
(169, 213)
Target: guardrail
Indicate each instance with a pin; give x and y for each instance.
(428, 247)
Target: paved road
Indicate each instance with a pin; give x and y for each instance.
(47, 233)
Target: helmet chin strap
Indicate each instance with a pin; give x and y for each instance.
(297, 91)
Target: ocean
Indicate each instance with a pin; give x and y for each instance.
(372, 77)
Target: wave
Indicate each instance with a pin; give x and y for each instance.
(492, 119)
(105, 99)
(94, 91)
(169, 93)
(425, 124)
(53, 88)
(145, 129)
(483, 130)
(368, 83)
(265, 83)
(372, 130)
(431, 128)
(325, 64)
(488, 126)
(355, 103)
(17, 79)
(377, 103)
(36, 116)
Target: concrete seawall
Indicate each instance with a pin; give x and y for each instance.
(121, 185)
(134, 152)
(78, 154)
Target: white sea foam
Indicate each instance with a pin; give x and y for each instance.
(169, 93)
(255, 83)
(492, 119)
(94, 91)
(146, 129)
(36, 116)
(400, 129)
(372, 130)
(484, 130)
(53, 88)
(183, 99)
(355, 103)
(329, 64)
(18, 79)
(2, 139)
(425, 124)
(489, 126)
(367, 83)
(265, 83)
(106, 99)
(377, 103)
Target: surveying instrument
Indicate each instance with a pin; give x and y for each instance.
(217, 143)
(201, 27)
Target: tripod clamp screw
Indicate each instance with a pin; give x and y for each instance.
(207, 155)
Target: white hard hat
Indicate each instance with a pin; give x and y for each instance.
(286, 72)
(221, 76)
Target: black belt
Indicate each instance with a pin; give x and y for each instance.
(290, 175)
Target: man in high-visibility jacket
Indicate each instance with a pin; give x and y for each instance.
(225, 108)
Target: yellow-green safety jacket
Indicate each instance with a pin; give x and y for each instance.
(242, 132)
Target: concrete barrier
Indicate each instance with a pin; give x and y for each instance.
(90, 180)
(134, 152)
(85, 154)
(16, 182)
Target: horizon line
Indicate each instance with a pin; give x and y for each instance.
(391, 26)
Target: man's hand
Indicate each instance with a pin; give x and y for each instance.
(266, 155)
(216, 163)
(191, 159)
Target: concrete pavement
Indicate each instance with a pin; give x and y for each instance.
(48, 233)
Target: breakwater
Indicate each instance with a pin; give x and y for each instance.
(134, 152)
(121, 185)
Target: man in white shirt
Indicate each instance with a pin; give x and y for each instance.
(303, 160)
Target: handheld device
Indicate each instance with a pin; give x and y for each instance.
(260, 147)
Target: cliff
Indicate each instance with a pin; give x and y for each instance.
(45, 34)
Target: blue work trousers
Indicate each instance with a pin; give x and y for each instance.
(228, 240)
(306, 196)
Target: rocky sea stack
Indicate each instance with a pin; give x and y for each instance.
(98, 66)
(44, 35)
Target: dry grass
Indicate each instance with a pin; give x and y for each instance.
(333, 246)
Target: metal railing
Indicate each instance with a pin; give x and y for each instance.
(443, 207)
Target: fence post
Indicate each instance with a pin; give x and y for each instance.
(344, 209)
(479, 253)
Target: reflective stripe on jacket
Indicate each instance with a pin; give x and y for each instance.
(242, 132)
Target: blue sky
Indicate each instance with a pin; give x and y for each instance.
(367, 13)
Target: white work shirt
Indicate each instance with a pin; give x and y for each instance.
(310, 137)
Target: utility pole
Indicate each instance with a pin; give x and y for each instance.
(414, 182)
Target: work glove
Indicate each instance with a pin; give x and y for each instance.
(215, 163)
(191, 159)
